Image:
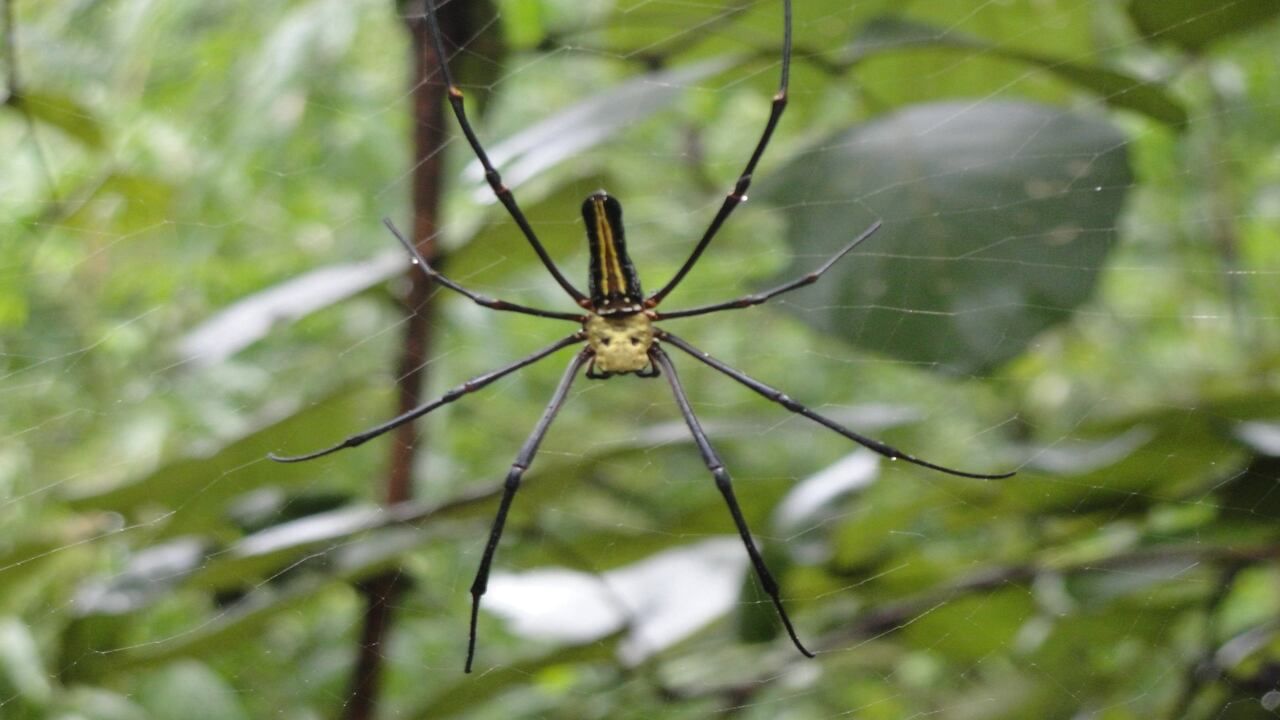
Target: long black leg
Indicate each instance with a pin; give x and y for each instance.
(479, 299)
(523, 460)
(739, 192)
(725, 485)
(782, 399)
(757, 298)
(469, 386)
(501, 191)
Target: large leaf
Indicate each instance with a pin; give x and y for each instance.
(1195, 24)
(1114, 88)
(997, 218)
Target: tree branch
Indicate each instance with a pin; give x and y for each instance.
(428, 137)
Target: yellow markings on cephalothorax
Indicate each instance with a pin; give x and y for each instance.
(612, 279)
(620, 342)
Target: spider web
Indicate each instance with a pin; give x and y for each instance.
(1076, 279)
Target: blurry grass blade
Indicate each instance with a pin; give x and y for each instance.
(1195, 24)
(587, 124)
(1115, 88)
(998, 217)
(247, 321)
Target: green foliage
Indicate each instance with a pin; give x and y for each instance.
(1075, 279)
(942, 176)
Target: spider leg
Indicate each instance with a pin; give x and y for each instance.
(782, 399)
(594, 374)
(649, 372)
(465, 388)
(757, 298)
(501, 191)
(512, 484)
(739, 192)
(725, 485)
(479, 299)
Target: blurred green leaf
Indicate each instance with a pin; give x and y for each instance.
(91, 703)
(196, 489)
(998, 217)
(1260, 436)
(587, 124)
(61, 112)
(1114, 88)
(152, 572)
(470, 691)
(318, 536)
(971, 628)
(522, 22)
(1196, 24)
(251, 318)
(1142, 473)
(22, 671)
(190, 691)
(241, 621)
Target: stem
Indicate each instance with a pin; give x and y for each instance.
(428, 137)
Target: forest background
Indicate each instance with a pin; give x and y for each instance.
(1078, 278)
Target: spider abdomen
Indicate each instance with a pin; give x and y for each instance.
(620, 342)
(613, 284)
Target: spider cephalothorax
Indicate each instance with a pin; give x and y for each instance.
(619, 344)
(619, 334)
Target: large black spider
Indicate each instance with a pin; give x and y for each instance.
(620, 335)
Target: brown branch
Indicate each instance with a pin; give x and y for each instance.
(428, 138)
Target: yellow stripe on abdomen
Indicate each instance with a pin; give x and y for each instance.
(612, 280)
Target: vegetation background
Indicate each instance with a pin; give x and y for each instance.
(1078, 278)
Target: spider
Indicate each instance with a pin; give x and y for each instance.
(619, 334)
